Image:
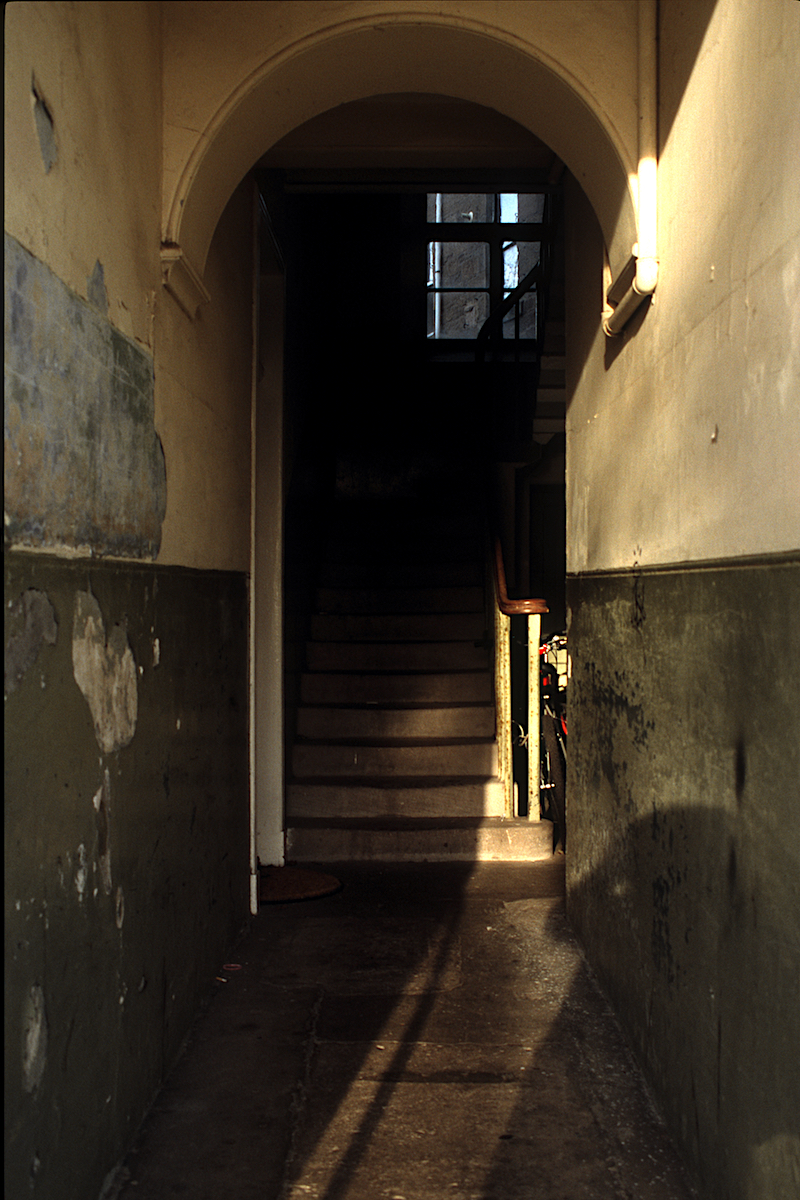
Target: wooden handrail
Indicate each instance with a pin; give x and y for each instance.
(512, 608)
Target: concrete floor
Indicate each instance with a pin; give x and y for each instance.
(429, 1032)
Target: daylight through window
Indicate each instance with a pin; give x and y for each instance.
(488, 248)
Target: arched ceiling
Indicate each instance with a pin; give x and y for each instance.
(413, 131)
(384, 54)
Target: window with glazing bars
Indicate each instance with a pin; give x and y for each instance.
(488, 245)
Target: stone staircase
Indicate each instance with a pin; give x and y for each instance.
(395, 756)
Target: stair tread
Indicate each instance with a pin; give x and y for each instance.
(393, 781)
(392, 743)
(445, 822)
(397, 627)
(470, 839)
(403, 687)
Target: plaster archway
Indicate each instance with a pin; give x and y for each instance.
(358, 58)
(395, 53)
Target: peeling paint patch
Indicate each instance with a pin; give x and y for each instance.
(106, 674)
(102, 807)
(81, 873)
(32, 624)
(34, 1039)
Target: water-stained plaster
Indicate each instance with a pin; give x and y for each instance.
(84, 467)
(30, 624)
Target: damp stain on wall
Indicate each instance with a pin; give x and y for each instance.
(30, 625)
(84, 465)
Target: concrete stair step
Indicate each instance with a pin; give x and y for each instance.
(395, 656)
(427, 800)
(549, 400)
(416, 546)
(400, 600)
(545, 427)
(396, 724)
(554, 338)
(406, 523)
(396, 627)
(365, 573)
(459, 760)
(486, 839)
(404, 690)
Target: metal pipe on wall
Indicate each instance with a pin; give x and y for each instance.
(645, 252)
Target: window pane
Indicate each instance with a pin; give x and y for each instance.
(483, 207)
(527, 315)
(463, 209)
(521, 206)
(529, 255)
(462, 313)
(509, 208)
(530, 206)
(518, 259)
(459, 264)
(510, 266)
(526, 307)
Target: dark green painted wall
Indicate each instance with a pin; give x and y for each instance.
(684, 848)
(126, 868)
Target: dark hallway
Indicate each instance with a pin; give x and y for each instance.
(400, 478)
(429, 1031)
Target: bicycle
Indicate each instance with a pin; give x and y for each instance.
(553, 768)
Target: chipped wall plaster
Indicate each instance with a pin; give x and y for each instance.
(34, 1039)
(105, 672)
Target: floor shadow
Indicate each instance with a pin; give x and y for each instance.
(428, 1031)
(697, 954)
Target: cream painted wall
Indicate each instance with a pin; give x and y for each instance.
(214, 46)
(683, 441)
(98, 69)
(203, 395)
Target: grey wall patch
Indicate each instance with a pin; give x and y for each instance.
(105, 672)
(84, 465)
(31, 624)
(96, 292)
(34, 1039)
(43, 120)
(102, 807)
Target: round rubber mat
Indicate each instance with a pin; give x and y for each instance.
(281, 885)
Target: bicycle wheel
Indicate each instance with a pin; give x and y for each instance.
(558, 804)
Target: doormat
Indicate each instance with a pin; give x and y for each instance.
(282, 885)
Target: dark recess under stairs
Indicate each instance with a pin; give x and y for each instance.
(395, 756)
